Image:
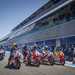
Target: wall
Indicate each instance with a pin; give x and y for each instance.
(59, 31)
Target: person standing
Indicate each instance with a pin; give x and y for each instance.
(74, 55)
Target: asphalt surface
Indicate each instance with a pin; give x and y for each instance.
(42, 70)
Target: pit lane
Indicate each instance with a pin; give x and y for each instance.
(29, 70)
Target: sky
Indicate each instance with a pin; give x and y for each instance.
(12, 12)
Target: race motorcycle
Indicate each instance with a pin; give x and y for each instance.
(14, 62)
(33, 61)
(47, 59)
(60, 60)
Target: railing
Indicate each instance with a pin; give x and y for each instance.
(51, 24)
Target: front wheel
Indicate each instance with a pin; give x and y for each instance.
(38, 65)
(18, 65)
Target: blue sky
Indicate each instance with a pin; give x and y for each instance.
(12, 12)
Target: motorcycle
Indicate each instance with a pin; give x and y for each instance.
(14, 62)
(33, 61)
(60, 60)
(47, 59)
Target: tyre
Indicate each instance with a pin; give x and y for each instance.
(38, 65)
(18, 65)
(51, 63)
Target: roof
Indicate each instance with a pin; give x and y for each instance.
(35, 14)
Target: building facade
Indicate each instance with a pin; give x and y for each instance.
(53, 24)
